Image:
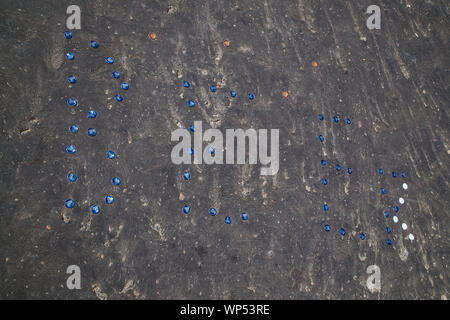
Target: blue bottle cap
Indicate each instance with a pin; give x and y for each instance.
(71, 102)
(72, 177)
(91, 132)
(186, 175)
(69, 203)
(95, 209)
(115, 181)
(73, 128)
(186, 209)
(109, 199)
(111, 154)
(94, 44)
(72, 79)
(71, 149)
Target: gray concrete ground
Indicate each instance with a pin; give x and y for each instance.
(392, 83)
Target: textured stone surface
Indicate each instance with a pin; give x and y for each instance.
(392, 83)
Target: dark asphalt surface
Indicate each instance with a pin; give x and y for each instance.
(392, 83)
